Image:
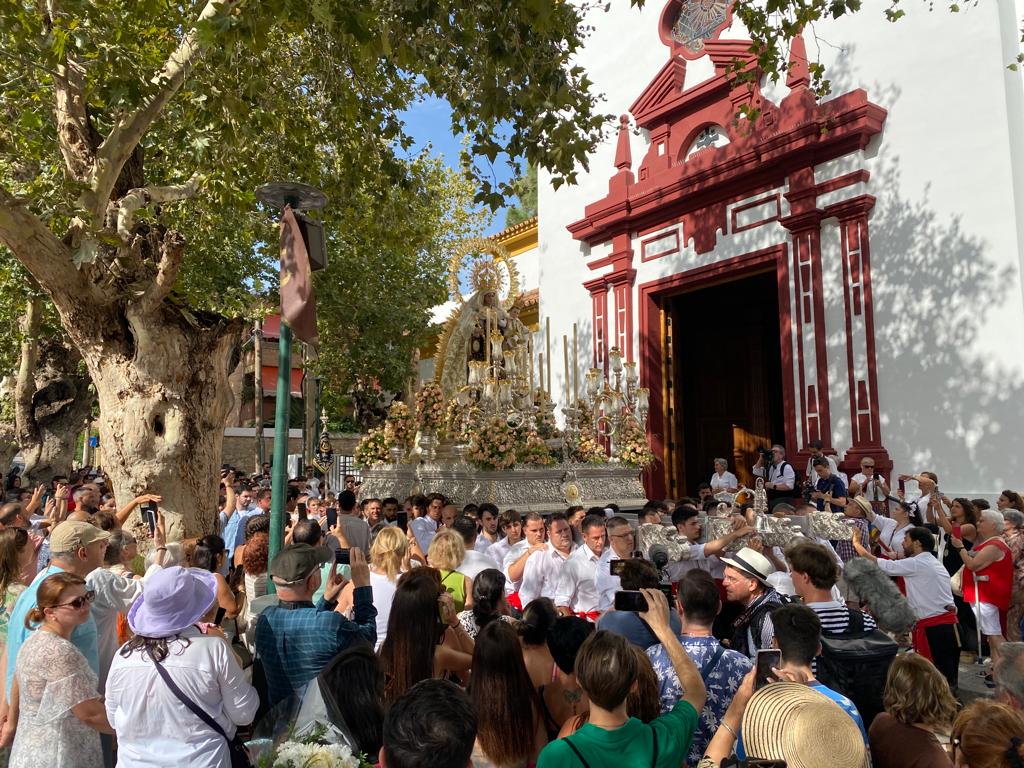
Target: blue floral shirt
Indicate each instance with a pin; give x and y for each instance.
(721, 683)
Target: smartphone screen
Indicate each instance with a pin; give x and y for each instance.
(766, 659)
(616, 567)
(332, 517)
(301, 507)
(149, 515)
(403, 521)
(628, 600)
(342, 557)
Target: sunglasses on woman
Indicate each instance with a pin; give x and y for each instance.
(79, 602)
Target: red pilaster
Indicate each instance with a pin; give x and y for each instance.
(865, 418)
(598, 289)
(811, 350)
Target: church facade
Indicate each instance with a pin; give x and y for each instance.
(845, 269)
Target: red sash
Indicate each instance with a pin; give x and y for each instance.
(515, 602)
(920, 637)
(591, 616)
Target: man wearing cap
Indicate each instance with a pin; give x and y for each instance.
(746, 583)
(296, 639)
(76, 547)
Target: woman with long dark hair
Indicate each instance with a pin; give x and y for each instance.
(489, 603)
(419, 646)
(539, 617)
(506, 704)
(352, 687)
(209, 555)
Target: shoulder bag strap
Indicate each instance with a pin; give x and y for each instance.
(573, 748)
(192, 706)
(709, 666)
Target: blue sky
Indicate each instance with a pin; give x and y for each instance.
(429, 122)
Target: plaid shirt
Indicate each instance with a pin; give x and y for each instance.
(295, 641)
(844, 547)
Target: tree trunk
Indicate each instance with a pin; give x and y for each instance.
(163, 411)
(51, 402)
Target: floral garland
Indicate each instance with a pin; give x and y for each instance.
(535, 451)
(493, 444)
(547, 428)
(631, 446)
(588, 449)
(430, 411)
(373, 449)
(398, 426)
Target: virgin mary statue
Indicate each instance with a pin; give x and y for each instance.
(466, 339)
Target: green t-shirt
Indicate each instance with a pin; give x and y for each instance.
(631, 745)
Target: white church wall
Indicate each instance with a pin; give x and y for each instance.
(946, 233)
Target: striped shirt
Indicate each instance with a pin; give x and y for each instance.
(835, 616)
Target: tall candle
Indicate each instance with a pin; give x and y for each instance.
(487, 341)
(575, 364)
(565, 349)
(540, 370)
(529, 354)
(547, 350)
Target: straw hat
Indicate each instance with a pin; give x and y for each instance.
(861, 503)
(795, 723)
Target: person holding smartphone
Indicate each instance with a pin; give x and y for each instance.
(296, 639)
(607, 668)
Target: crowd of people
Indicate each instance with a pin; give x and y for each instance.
(428, 634)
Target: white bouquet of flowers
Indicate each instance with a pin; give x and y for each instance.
(296, 754)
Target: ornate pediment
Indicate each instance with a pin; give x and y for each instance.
(665, 88)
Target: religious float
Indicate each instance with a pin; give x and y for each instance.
(485, 428)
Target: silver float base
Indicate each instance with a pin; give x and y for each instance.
(525, 487)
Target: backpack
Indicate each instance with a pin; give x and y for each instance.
(856, 663)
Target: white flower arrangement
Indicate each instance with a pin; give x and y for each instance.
(295, 754)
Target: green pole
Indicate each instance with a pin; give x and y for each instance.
(281, 421)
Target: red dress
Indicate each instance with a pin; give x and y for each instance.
(999, 587)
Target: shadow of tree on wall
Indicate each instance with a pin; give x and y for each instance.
(946, 406)
(943, 401)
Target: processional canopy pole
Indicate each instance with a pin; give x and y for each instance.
(302, 252)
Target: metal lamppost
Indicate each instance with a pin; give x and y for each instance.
(300, 197)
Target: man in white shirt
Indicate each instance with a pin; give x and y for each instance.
(871, 485)
(686, 519)
(780, 479)
(312, 484)
(930, 595)
(473, 562)
(818, 453)
(514, 565)
(489, 534)
(623, 541)
(543, 569)
(425, 527)
(511, 525)
(576, 592)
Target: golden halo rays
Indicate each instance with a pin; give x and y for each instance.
(490, 267)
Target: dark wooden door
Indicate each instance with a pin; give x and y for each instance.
(728, 383)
